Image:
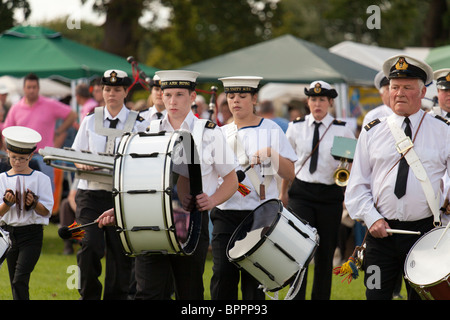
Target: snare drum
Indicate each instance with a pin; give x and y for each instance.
(428, 269)
(273, 245)
(149, 170)
(5, 245)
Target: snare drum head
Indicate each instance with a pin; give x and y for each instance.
(249, 235)
(426, 265)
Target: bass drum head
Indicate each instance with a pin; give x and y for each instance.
(185, 180)
(248, 236)
(426, 265)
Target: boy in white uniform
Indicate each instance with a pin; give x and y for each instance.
(26, 207)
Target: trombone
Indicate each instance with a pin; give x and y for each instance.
(343, 150)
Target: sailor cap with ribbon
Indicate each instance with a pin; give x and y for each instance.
(442, 77)
(20, 139)
(156, 81)
(380, 80)
(115, 77)
(178, 79)
(403, 66)
(321, 88)
(241, 84)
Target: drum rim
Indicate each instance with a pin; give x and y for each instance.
(188, 247)
(406, 260)
(260, 241)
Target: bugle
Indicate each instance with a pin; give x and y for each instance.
(59, 158)
(343, 150)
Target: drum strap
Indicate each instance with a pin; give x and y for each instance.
(110, 133)
(404, 146)
(236, 145)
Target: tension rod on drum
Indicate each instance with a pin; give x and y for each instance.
(442, 235)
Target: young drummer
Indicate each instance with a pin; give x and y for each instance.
(216, 161)
(100, 132)
(261, 142)
(26, 207)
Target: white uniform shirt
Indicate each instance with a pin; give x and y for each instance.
(371, 181)
(254, 138)
(216, 159)
(377, 113)
(150, 114)
(88, 139)
(445, 179)
(37, 182)
(300, 134)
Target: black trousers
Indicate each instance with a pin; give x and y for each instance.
(97, 243)
(23, 256)
(225, 279)
(154, 272)
(321, 206)
(385, 258)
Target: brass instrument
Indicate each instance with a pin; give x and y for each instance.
(342, 173)
(103, 163)
(343, 150)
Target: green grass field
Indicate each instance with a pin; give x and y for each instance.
(49, 278)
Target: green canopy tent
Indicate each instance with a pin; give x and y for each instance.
(290, 60)
(26, 49)
(439, 57)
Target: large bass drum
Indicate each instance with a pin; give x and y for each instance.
(153, 172)
(273, 245)
(427, 266)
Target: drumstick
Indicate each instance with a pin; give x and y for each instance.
(402, 231)
(440, 238)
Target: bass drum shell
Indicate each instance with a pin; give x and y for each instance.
(148, 212)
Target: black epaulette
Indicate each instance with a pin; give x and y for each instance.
(371, 124)
(299, 119)
(442, 119)
(210, 124)
(339, 122)
(90, 113)
(139, 118)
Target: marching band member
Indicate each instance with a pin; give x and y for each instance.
(100, 131)
(157, 110)
(383, 189)
(314, 196)
(384, 110)
(263, 143)
(178, 88)
(442, 77)
(26, 207)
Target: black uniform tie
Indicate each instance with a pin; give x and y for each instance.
(159, 115)
(113, 122)
(315, 154)
(403, 169)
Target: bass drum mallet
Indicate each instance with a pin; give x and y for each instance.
(67, 232)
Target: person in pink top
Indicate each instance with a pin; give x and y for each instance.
(40, 113)
(85, 100)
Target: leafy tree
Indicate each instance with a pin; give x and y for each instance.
(7, 9)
